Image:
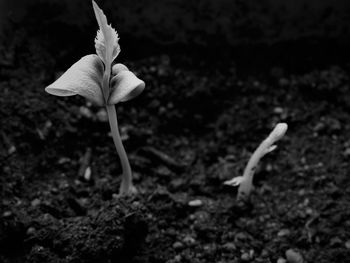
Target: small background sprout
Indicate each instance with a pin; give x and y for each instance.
(94, 78)
(245, 182)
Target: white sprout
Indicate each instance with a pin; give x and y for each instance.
(245, 182)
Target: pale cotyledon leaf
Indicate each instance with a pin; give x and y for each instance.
(124, 85)
(82, 78)
(91, 79)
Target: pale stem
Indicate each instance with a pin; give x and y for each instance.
(105, 82)
(246, 185)
(126, 186)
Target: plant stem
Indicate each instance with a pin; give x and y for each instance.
(126, 186)
(105, 82)
(246, 186)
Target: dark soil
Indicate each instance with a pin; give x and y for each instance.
(195, 126)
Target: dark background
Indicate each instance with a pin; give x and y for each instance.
(219, 76)
(292, 33)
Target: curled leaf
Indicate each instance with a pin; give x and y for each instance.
(235, 181)
(106, 41)
(82, 78)
(271, 149)
(125, 86)
(117, 68)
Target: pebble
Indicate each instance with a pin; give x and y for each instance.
(102, 115)
(178, 245)
(278, 110)
(283, 233)
(347, 152)
(209, 249)
(281, 260)
(30, 231)
(293, 256)
(264, 253)
(7, 214)
(241, 236)
(85, 112)
(35, 202)
(347, 244)
(63, 160)
(188, 240)
(11, 150)
(177, 258)
(54, 190)
(335, 241)
(87, 174)
(229, 247)
(283, 82)
(245, 257)
(195, 203)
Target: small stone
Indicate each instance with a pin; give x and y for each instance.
(87, 174)
(229, 247)
(38, 249)
(35, 202)
(209, 249)
(188, 240)
(163, 171)
(319, 127)
(85, 112)
(195, 203)
(283, 82)
(293, 256)
(281, 260)
(30, 231)
(162, 110)
(256, 83)
(63, 160)
(334, 124)
(178, 245)
(7, 214)
(301, 192)
(283, 233)
(11, 150)
(347, 152)
(335, 241)
(136, 176)
(278, 110)
(264, 253)
(176, 183)
(347, 244)
(54, 190)
(241, 236)
(77, 182)
(245, 257)
(102, 115)
(309, 211)
(177, 258)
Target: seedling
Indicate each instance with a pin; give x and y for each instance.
(95, 78)
(245, 182)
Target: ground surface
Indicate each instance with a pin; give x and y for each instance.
(195, 126)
